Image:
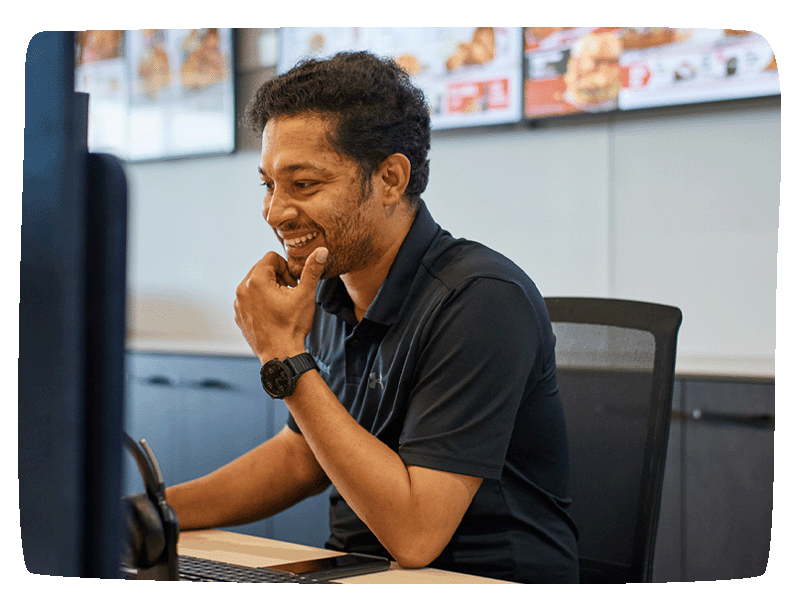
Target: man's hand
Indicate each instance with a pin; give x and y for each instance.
(273, 311)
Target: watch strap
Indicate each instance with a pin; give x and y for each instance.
(302, 363)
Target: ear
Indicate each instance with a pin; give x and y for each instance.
(394, 174)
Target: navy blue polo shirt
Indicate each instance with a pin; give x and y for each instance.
(453, 367)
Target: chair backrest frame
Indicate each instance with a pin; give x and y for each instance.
(662, 322)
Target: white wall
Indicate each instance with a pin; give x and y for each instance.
(695, 224)
(677, 206)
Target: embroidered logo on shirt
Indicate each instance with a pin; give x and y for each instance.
(375, 380)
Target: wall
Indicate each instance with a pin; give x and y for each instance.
(676, 206)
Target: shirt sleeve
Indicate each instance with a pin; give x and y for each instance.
(481, 358)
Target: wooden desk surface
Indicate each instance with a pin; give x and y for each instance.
(248, 550)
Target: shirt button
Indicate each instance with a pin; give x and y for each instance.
(355, 344)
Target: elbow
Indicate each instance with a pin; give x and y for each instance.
(416, 552)
(412, 562)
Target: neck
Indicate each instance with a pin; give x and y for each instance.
(363, 285)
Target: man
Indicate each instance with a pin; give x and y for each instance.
(429, 397)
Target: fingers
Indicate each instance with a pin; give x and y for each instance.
(274, 267)
(276, 264)
(282, 275)
(312, 272)
(267, 269)
(274, 317)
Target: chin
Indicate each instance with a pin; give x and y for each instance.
(295, 268)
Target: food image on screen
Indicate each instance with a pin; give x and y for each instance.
(98, 45)
(154, 69)
(204, 64)
(593, 73)
(534, 35)
(584, 69)
(479, 50)
(636, 38)
(571, 70)
(409, 63)
(316, 43)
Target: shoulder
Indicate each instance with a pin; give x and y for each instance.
(458, 263)
(480, 284)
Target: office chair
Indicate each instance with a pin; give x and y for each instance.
(615, 368)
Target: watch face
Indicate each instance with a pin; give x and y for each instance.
(275, 378)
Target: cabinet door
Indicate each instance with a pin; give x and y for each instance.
(197, 413)
(151, 405)
(729, 464)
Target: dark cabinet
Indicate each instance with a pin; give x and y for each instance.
(716, 509)
(198, 413)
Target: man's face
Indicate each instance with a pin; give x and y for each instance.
(315, 197)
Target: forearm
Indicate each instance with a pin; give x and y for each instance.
(413, 511)
(258, 484)
(401, 505)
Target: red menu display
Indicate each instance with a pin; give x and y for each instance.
(470, 75)
(591, 70)
(162, 93)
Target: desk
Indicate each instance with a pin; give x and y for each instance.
(248, 550)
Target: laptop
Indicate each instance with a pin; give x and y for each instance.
(318, 570)
(152, 522)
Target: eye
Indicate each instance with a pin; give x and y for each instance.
(267, 185)
(306, 186)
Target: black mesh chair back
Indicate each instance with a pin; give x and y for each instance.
(615, 368)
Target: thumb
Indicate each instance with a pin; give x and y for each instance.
(312, 271)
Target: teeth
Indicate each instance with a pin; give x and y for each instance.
(296, 242)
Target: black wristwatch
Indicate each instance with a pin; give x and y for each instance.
(279, 377)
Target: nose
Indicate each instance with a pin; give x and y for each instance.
(278, 208)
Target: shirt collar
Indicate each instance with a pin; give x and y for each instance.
(332, 295)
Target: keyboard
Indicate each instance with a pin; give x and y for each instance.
(202, 569)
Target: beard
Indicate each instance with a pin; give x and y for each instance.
(352, 248)
(350, 238)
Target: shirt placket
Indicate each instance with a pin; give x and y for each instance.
(356, 347)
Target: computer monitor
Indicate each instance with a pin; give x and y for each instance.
(71, 328)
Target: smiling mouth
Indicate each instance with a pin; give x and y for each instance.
(300, 241)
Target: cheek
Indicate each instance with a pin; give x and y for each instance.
(333, 216)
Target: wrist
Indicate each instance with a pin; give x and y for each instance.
(304, 384)
(279, 376)
(281, 352)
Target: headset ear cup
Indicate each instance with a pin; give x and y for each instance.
(133, 543)
(146, 538)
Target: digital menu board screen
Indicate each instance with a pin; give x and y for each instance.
(157, 93)
(470, 75)
(593, 70)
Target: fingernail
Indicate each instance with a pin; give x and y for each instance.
(322, 255)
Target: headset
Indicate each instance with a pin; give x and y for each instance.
(150, 550)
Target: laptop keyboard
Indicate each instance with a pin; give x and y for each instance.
(202, 569)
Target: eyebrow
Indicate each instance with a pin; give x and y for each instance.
(295, 167)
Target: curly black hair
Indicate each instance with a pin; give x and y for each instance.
(375, 109)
